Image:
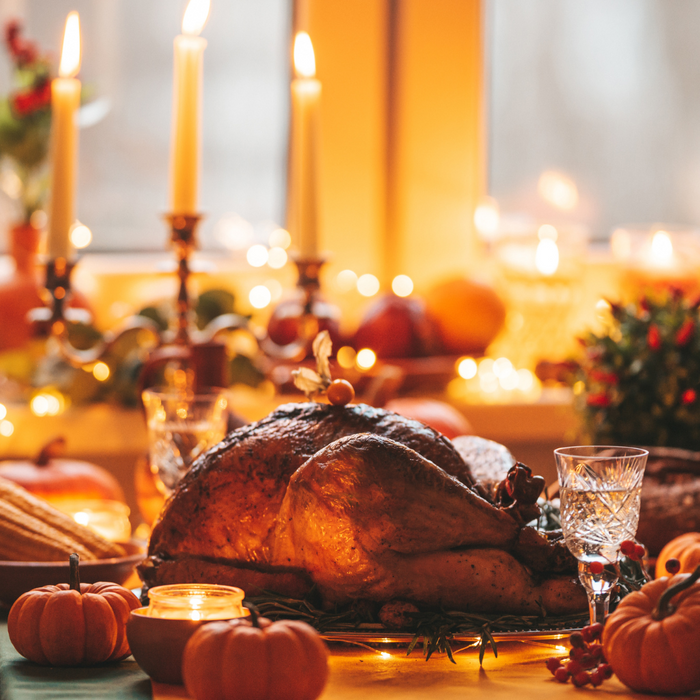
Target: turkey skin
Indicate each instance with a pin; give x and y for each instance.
(360, 503)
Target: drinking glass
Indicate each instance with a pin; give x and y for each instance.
(181, 427)
(600, 491)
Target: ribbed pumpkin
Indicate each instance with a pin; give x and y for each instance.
(653, 637)
(72, 624)
(255, 660)
(685, 548)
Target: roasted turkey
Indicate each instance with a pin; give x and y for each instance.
(361, 503)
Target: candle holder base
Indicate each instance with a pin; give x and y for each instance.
(296, 321)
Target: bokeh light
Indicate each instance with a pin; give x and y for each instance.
(260, 296)
(101, 371)
(368, 285)
(280, 238)
(346, 280)
(402, 285)
(257, 255)
(466, 368)
(277, 257)
(366, 358)
(346, 357)
(80, 235)
(6, 428)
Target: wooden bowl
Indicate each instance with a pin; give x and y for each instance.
(17, 577)
(158, 644)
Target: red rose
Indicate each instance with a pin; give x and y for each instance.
(685, 332)
(689, 396)
(598, 400)
(654, 338)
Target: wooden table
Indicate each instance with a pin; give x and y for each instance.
(518, 673)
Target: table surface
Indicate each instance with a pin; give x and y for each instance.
(355, 673)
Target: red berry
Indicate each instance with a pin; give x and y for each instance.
(576, 653)
(581, 679)
(605, 670)
(596, 567)
(576, 640)
(596, 651)
(573, 667)
(340, 392)
(587, 661)
(673, 566)
(553, 664)
(595, 630)
(561, 674)
(627, 547)
(596, 678)
(639, 551)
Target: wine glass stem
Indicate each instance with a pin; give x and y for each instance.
(598, 605)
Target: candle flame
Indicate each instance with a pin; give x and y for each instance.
(661, 248)
(304, 59)
(195, 17)
(70, 55)
(547, 257)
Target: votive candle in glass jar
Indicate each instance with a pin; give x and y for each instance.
(195, 601)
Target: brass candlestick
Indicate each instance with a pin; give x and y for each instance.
(52, 319)
(295, 322)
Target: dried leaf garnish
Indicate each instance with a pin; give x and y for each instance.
(323, 348)
(310, 382)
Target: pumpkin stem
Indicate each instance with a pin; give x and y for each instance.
(664, 608)
(50, 451)
(74, 575)
(255, 613)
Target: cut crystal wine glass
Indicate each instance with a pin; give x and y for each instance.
(600, 492)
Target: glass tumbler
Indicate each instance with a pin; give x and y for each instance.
(600, 492)
(181, 427)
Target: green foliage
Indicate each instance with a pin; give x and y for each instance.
(641, 379)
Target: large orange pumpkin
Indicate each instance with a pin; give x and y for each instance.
(59, 480)
(255, 660)
(653, 637)
(72, 624)
(685, 548)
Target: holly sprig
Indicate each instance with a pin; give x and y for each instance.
(639, 380)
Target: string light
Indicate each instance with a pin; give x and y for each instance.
(280, 238)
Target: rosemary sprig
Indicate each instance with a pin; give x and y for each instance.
(436, 629)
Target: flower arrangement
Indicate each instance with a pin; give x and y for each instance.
(25, 120)
(639, 382)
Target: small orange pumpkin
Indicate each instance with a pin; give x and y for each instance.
(72, 624)
(59, 480)
(685, 548)
(255, 660)
(653, 637)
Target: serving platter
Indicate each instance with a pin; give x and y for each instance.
(18, 577)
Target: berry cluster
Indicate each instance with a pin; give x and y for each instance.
(586, 663)
(632, 550)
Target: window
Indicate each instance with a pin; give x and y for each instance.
(127, 69)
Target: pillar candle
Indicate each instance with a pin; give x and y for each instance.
(65, 100)
(306, 105)
(187, 109)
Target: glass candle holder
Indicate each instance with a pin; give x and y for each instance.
(195, 601)
(109, 519)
